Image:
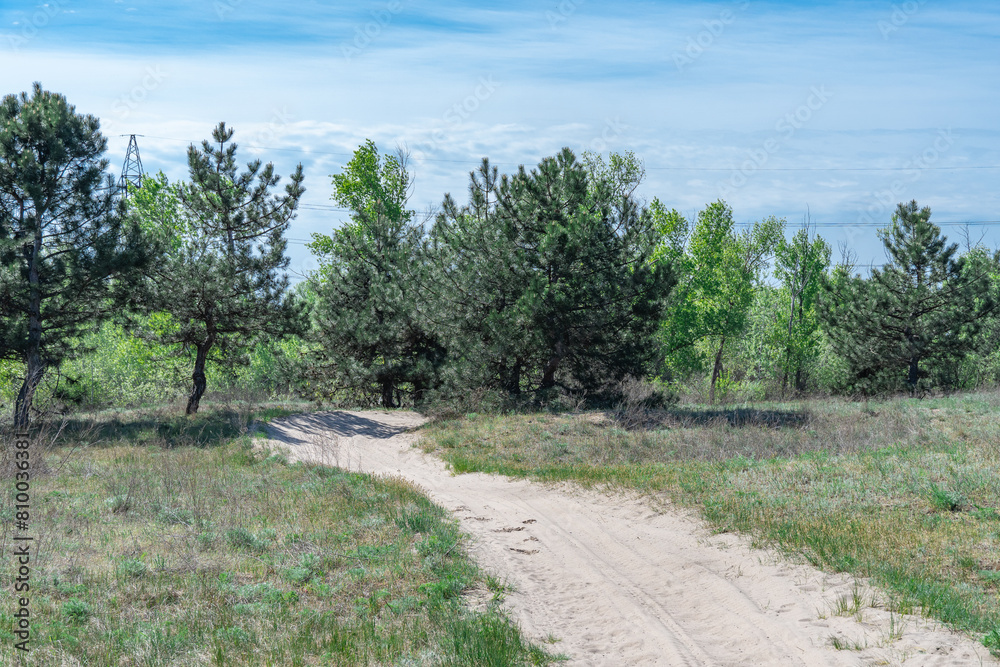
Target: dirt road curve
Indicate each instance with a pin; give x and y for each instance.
(618, 583)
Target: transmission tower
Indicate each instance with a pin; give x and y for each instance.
(132, 169)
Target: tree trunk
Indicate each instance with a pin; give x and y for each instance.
(716, 370)
(788, 346)
(35, 366)
(510, 377)
(387, 401)
(419, 390)
(198, 378)
(32, 378)
(914, 374)
(549, 370)
(799, 383)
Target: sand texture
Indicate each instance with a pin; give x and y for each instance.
(617, 581)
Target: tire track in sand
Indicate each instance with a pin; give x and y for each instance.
(619, 583)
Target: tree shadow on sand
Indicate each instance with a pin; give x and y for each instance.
(308, 428)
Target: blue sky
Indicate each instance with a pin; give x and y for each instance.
(839, 108)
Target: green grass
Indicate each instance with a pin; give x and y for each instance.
(171, 540)
(906, 492)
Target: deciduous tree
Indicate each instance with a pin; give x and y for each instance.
(719, 270)
(800, 264)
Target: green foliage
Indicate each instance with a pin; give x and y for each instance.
(719, 270)
(547, 277)
(66, 252)
(218, 287)
(77, 611)
(241, 538)
(800, 265)
(923, 309)
(371, 338)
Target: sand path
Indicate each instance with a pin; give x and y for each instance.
(620, 583)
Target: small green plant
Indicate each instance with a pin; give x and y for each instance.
(131, 568)
(992, 641)
(498, 588)
(947, 500)
(842, 644)
(77, 611)
(305, 571)
(241, 538)
(206, 540)
(850, 605)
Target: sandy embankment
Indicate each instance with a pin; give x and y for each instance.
(619, 583)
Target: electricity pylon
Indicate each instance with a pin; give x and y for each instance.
(132, 169)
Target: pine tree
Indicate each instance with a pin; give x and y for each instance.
(477, 283)
(922, 307)
(221, 279)
(551, 272)
(371, 339)
(65, 249)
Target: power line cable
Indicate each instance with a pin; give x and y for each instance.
(730, 168)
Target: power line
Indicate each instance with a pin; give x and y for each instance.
(946, 223)
(879, 224)
(471, 161)
(830, 168)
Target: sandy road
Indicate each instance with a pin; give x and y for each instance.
(620, 583)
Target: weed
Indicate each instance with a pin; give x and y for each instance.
(241, 538)
(77, 611)
(946, 500)
(131, 568)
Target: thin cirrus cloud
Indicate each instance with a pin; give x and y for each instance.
(742, 100)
